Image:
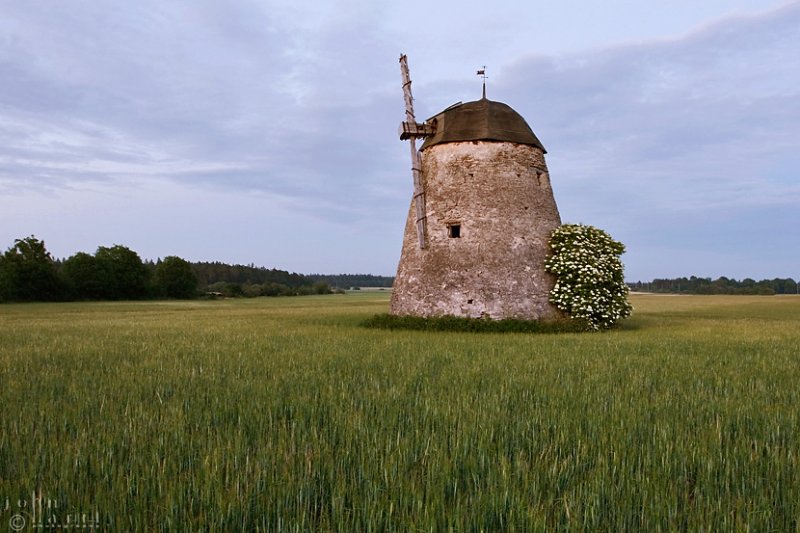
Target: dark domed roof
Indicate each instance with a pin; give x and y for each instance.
(481, 120)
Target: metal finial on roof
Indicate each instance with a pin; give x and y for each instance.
(482, 74)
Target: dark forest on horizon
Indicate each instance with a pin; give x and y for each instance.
(721, 285)
(29, 273)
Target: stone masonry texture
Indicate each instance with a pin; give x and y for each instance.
(499, 195)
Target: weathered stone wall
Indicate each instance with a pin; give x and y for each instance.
(500, 195)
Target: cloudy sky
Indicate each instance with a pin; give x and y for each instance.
(253, 131)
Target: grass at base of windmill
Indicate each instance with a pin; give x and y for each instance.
(474, 325)
(288, 415)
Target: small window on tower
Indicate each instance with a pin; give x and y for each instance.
(454, 231)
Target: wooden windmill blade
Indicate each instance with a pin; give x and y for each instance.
(410, 129)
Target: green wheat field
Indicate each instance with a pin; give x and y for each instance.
(285, 414)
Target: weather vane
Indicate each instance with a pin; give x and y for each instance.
(482, 73)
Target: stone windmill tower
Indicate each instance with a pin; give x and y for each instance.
(477, 232)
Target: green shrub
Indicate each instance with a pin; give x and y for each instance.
(590, 283)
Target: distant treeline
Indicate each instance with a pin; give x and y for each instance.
(241, 280)
(210, 273)
(723, 285)
(346, 281)
(29, 273)
(250, 281)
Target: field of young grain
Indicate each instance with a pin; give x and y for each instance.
(286, 415)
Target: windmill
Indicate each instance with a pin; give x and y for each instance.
(477, 229)
(410, 129)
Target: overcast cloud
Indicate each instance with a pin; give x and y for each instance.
(266, 133)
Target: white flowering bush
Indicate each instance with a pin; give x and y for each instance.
(589, 275)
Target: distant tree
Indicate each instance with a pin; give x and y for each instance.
(87, 278)
(321, 287)
(784, 286)
(228, 290)
(251, 290)
(28, 273)
(174, 278)
(124, 274)
(233, 290)
(272, 289)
